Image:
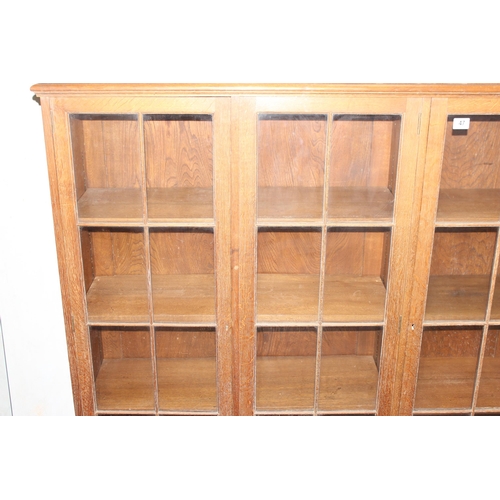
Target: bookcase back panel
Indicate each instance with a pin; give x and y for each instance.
(117, 252)
(177, 251)
(357, 253)
(123, 369)
(463, 251)
(291, 150)
(364, 150)
(286, 342)
(351, 342)
(288, 251)
(472, 157)
(447, 368)
(179, 150)
(349, 369)
(106, 151)
(186, 343)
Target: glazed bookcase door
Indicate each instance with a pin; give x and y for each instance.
(455, 346)
(143, 194)
(331, 186)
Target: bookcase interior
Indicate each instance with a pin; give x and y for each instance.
(458, 369)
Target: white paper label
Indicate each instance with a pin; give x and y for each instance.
(461, 123)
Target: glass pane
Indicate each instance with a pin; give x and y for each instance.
(363, 167)
(350, 359)
(357, 263)
(447, 370)
(106, 160)
(288, 264)
(489, 384)
(291, 162)
(179, 167)
(286, 368)
(123, 372)
(182, 265)
(186, 361)
(115, 275)
(459, 281)
(470, 179)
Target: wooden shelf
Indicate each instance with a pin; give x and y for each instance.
(287, 383)
(283, 298)
(110, 206)
(289, 298)
(181, 206)
(456, 298)
(348, 383)
(178, 206)
(366, 206)
(187, 384)
(177, 299)
(184, 298)
(293, 205)
(354, 299)
(302, 206)
(125, 384)
(468, 207)
(445, 382)
(121, 299)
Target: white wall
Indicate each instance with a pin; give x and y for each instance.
(106, 42)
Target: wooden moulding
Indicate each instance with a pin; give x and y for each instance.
(245, 89)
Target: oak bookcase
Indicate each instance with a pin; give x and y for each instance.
(278, 249)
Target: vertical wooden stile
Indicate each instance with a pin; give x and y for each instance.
(401, 265)
(243, 163)
(428, 195)
(222, 212)
(68, 240)
(407, 325)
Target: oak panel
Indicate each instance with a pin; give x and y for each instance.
(179, 151)
(291, 150)
(186, 343)
(182, 251)
(472, 157)
(288, 251)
